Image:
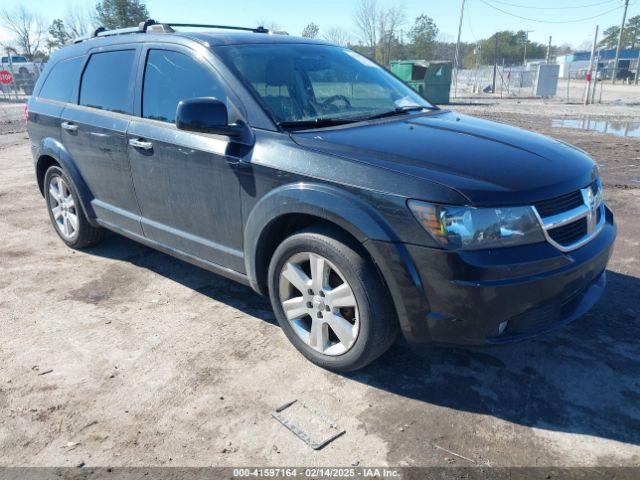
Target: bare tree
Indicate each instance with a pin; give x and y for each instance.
(337, 35)
(378, 27)
(365, 18)
(311, 31)
(27, 28)
(389, 22)
(79, 20)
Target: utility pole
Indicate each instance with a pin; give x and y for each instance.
(624, 19)
(495, 63)
(638, 68)
(10, 52)
(526, 42)
(549, 51)
(594, 80)
(456, 57)
(590, 71)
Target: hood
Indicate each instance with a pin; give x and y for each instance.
(489, 163)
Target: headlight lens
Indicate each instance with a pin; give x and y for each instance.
(469, 228)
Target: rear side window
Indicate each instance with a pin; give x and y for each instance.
(107, 81)
(60, 83)
(14, 59)
(170, 77)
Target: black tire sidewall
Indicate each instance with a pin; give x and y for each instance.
(359, 277)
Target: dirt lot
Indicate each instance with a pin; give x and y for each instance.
(151, 361)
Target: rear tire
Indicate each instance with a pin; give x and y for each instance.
(341, 320)
(66, 213)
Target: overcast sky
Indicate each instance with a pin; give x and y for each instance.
(481, 20)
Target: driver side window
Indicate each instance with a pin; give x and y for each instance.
(170, 77)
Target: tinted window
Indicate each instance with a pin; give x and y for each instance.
(170, 77)
(107, 81)
(14, 59)
(61, 81)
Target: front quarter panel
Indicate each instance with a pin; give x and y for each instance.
(356, 217)
(370, 203)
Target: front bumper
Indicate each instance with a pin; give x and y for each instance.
(504, 295)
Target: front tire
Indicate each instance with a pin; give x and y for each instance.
(65, 211)
(330, 300)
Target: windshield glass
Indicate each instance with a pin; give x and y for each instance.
(299, 83)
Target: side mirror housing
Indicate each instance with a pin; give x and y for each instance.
(206, 115)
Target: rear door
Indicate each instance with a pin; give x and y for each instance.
(57, 89)
(94, 133)
(186, 183)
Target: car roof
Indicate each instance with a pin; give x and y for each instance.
(215, 37)
(208, 38)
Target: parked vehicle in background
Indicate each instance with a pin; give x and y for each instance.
(25, 73)
(310, 173)
(20, 64)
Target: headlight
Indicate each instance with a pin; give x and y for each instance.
(471, 228)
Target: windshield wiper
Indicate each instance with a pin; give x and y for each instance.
(316, 123)
(395, 111)
(329, 121)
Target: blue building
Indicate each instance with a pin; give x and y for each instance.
(576, 64)
(604, 55)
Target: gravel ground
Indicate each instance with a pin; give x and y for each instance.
(120, 355)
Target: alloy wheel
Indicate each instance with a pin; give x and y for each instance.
(319, 303)
(63, 208)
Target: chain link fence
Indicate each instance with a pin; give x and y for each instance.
(520, 82)
(504, 81)
(20, 81)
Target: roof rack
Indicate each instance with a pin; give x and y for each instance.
(259, 29)
(152, 26)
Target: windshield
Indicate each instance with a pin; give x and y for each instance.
(303, 83)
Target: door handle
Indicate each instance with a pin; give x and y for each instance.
(69, 126)
(137, 143)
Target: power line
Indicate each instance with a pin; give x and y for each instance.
(469, 22)
(551, 21)
(553, 8)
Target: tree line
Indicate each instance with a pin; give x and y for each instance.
(32, 37)
(382, 33)
(630, 36)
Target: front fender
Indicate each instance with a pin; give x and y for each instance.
(50, 147)
(354, 216)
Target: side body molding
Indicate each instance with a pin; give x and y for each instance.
(50, 147)
(356, 217)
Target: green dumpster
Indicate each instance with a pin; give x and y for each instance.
(437, 82)
(432, 80)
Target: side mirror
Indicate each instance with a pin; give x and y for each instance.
(206, 115)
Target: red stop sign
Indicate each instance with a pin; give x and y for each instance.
(6, 77)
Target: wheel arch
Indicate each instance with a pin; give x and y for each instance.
(52, 152)
(293, 207)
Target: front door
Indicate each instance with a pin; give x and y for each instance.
(186, 183)
(94, 134)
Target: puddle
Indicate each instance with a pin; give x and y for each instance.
(608, 127)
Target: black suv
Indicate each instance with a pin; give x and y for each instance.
(310, 173)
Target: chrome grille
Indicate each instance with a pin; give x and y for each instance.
(569, 233)
(559, 204)
(573, 219)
